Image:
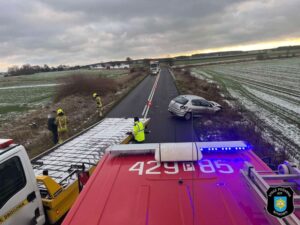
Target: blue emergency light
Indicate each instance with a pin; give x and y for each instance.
(223, 146)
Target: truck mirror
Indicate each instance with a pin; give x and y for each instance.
(83, 177)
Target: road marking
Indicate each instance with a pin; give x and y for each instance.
(151, 96)
(144, 110)
(149, 100)
(172, 74)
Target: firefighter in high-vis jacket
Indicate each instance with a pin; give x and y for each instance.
(99, 104)
(138, 131)
(62, 128)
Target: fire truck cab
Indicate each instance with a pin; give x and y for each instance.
(205, 183)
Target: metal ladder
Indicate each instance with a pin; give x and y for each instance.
(287, 175)
(87, 148)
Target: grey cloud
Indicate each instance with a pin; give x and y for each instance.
(86, 31)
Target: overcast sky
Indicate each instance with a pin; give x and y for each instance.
(87, 31)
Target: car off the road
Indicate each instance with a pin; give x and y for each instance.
(187, 106)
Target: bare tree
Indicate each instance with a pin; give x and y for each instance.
(13, 70)
(129, 60)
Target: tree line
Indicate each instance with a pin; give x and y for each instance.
(28, 69)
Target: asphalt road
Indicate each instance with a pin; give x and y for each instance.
(163, 126)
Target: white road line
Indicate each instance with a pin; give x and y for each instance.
(172, 74)
(144, 110)
(149, 100)
(151, 94)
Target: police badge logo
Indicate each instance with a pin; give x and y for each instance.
(280, 201)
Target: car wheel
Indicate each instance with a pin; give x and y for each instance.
(188, 116)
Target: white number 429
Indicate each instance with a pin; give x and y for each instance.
(205, 166)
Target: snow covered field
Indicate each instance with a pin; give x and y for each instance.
(271, 90)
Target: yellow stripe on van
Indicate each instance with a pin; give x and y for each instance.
(13, 211)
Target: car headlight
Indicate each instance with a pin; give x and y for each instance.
(183, 107)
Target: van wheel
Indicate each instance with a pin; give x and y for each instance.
(188, 116)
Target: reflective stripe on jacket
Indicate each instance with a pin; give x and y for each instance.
(99, 101)
(61, 122)
(139, 131)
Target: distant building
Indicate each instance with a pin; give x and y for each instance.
(124, 66)
(109, 65)
(3, 74)
(66, 67)
(97, 67)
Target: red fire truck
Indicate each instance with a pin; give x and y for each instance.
(205, 183)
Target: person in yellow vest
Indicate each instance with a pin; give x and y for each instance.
(138, 131)
(99, 104)
(62, 129)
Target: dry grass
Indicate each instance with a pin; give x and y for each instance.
(229, 124)
(125, 80)
(85, 85)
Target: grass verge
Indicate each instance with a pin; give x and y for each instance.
(30, 129)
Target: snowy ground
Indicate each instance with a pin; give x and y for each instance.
(271, 90)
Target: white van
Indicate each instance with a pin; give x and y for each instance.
(20, 199)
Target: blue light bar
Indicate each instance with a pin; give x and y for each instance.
(223, 146)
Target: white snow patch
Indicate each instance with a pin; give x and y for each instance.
(274, 100)
(29, 86)
(205, 74)
(286, 129)
(229, 103)
(198, 76)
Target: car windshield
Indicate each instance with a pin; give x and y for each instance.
(153, 65)
(181, 100)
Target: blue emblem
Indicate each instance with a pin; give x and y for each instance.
(280, 203)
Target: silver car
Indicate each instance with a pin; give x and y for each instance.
(191, 105)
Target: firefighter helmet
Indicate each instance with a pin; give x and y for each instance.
(60, 111)
(95, 95)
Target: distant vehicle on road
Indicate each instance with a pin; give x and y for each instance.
(191, 105)
(154, 67)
